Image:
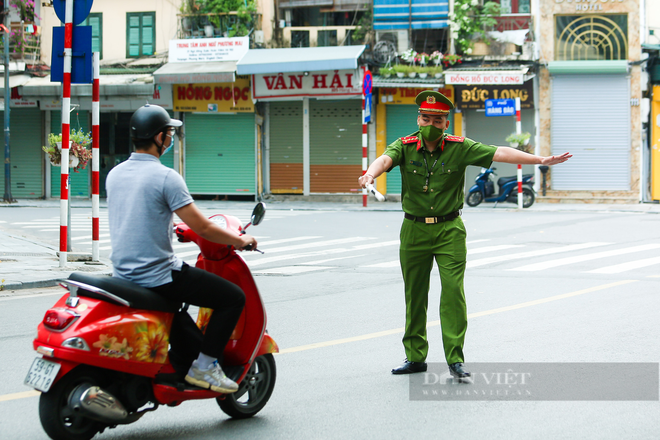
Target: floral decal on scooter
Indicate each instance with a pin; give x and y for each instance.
(203, 318)
(108, 346)
(151, 342)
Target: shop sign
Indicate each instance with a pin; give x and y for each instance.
(214, 97)
(208, 49)
(319, 83)
(474, 97)
(495, 78)
(407, 95)
(590, 5)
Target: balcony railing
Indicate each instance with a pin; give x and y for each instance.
(318, 36)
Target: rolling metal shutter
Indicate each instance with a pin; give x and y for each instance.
(220, 154)
(401, 121)
(335, 145)
(80, 182)
(26, 155)
(286, 147)
(591, 119)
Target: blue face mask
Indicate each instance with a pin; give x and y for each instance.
(166, 150)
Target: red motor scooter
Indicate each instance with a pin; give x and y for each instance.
(105, 347)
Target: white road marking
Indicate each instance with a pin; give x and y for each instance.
(478, 241)
(540, 252)
(387, 264)
(332, 259)
(485, 249)
(618, 268)
(88, 237)
(579, 258)
(287, 240)
(314, 244)
(262, 261)
(290, 270)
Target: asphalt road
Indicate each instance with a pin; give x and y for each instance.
(542, 287)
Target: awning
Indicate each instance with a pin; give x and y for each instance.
(109, 85)
(189, 73)
(14, 81)
(300, 59)
(588, 67)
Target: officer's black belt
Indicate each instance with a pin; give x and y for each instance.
(433, 220)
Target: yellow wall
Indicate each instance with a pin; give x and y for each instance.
(655, 144)
(381, 142)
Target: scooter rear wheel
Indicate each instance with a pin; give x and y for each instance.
(528, 197)
(253, 392)
(475, 198)
(57, 417)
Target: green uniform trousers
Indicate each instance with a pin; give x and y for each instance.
(420, 244)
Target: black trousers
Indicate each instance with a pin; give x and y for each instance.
(204, 289)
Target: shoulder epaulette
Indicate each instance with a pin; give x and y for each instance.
(454, 138)
(409, 139)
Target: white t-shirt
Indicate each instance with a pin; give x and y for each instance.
(142, 197)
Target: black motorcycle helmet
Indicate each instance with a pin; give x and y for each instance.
(149, 120)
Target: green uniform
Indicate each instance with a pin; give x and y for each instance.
(432, 186)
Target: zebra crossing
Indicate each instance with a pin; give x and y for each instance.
(303, 254)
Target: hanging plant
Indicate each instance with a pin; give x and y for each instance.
(469, 22)
(79, 153)
(25, 9)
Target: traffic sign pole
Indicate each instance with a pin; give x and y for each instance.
(95, 156)
(519, 131)
(66, 131)
(367, 85)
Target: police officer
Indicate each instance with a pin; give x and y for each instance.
(432, 165)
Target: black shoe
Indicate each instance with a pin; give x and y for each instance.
(410, 367)
(458, 372)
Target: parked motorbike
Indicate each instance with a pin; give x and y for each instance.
(104, 347)
(484, 189)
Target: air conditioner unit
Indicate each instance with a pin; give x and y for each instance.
(398, 38)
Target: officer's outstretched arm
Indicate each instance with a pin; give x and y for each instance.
(377, 167)
(511, 155)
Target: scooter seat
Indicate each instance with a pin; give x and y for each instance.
(504, 180)
(137, 296)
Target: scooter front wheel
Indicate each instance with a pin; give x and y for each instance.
(58, 418)
(253, 392)
(474, 198)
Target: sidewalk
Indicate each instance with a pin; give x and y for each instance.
(26, 264)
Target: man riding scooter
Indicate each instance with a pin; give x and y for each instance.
(143, 195)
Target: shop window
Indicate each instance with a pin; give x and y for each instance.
(591, 37)
(140, 34)
(95, 20)
(514, 6)
(299, 38)
(327, 38)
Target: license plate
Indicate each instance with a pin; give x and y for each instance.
(41, 375)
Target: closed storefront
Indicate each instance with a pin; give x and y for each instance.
(27, 157)
(286, 147)
(335, 141)
(220, 154)
(401, 121)
(314, 117)
(601, 151)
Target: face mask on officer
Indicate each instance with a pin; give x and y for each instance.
(431, 133)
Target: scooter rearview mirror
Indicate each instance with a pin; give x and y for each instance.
(258, 213)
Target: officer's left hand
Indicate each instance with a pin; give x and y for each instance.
(554, 160)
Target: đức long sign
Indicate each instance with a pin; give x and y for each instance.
(474, 97)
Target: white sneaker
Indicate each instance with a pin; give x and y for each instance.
(213, 378)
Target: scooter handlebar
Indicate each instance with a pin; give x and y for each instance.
(375, 192)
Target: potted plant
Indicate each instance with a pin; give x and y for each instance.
(436, 71)
(422, 58)
(79, 153)
(386, 71)
(400, 70)
(436, 57)
(519, 141)
(450, 60)
(408, 56)
(424, 71)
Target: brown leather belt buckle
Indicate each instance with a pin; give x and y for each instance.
(430, 220)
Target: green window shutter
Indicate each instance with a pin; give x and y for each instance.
(95, 20)
(140, 33)
(26, 154)
(401, 121)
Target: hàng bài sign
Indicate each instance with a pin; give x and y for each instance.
(214, 97)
